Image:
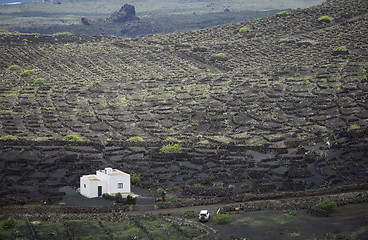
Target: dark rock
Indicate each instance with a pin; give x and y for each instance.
(125, 14)
(85, 21)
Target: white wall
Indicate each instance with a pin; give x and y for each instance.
(109, 183)
(113, 183)
(91, 189)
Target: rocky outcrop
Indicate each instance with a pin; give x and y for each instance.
(125, 14)
(85, 21)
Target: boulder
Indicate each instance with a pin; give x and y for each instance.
(85, 21)
(125, 14)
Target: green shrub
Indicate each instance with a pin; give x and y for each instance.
(9, 137)
(13, 67)
(40, 81)
(190, 213)
(27, 73)
(9, 223)
(172, 198)
(135, 139)
(136, 178)
(325, 206)
(243, 29)
(326, 19)
(354, 128)
(341, 48)
(161, 193)
(283, 40)
(231, 187)
(282, 13)
(118, 195)
(219, 55)
(130, 200)
(172, 139)
(171, 148)
(222, 218)
(73, 138)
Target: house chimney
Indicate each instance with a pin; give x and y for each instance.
(108, 170)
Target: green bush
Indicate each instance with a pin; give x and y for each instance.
(243, 29)
(171, 148)
(172, 198)
(341, 48)
(9, 137)
(130, 200)
(354, 128)
(219, 55)
(283, 40)
(40, 81)
(326, 19)
(222, 218)
(172, 139)
(282, 13)
(9, 223)
(73, 138)
(136, 178)
(325, 206)
(135, 139)
(27, 73)
(231, 187)
(13, 67)
(118, 195)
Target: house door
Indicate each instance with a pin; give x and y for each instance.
(99, 191)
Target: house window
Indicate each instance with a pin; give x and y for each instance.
(120, 185)
(85, 186)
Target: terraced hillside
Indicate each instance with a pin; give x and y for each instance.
(278, 81)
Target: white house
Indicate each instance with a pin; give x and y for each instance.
(110, 181)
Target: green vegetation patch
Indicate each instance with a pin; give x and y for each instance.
(282, 40)
(27, 73)
(341, 48)
(135, 178)
(73, 138)
(46, 229)
(219, 55)
(325, 206)
(171, 148)
(190, 213)
(135, 139)
(13, 67)
(326, 19)
(9, 137)
(18, 231)
(222, 218)
(283, 13)
(39, 81)
(86, 229)
(125, 230)
(160, 229)
(8, 223)
(243, 29)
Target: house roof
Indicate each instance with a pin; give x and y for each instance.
(116, 174)
(91, 178)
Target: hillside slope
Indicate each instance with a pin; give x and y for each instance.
(281, 81)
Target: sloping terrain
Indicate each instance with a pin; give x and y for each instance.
(278, 82)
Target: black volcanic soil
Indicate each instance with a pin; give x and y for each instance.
(279, 84)
(35, 172)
